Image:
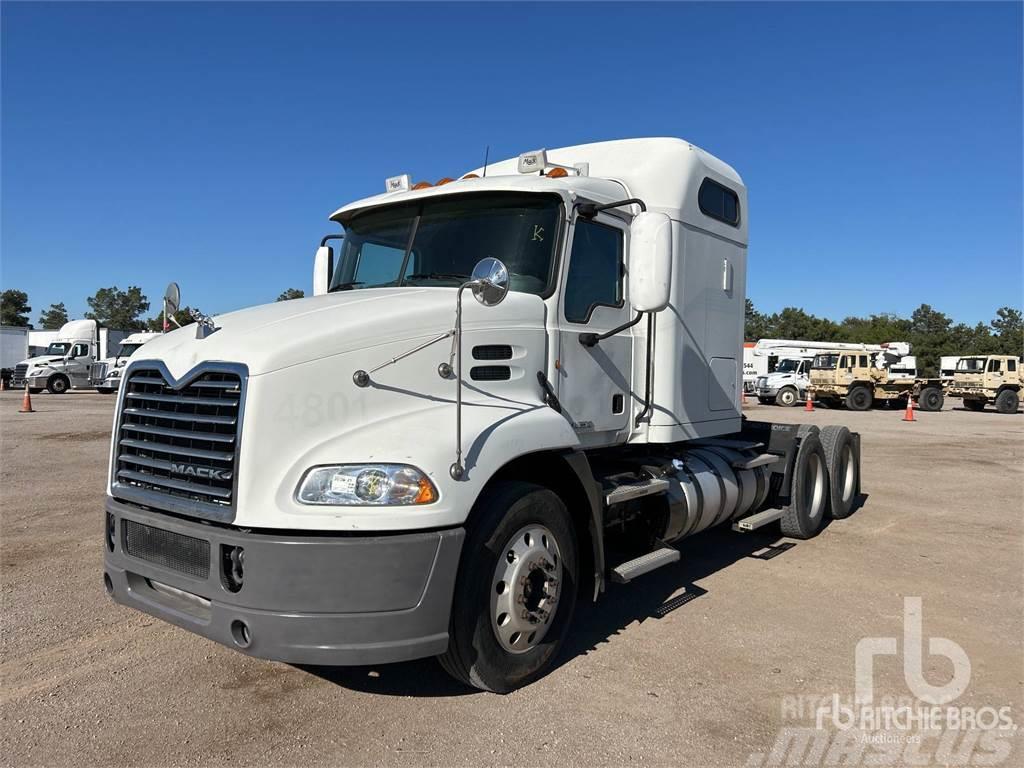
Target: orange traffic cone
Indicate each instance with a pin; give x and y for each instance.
(809, 402)
(3, 384)
(909, 414)
(26, 403)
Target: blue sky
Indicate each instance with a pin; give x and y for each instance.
(208, 143)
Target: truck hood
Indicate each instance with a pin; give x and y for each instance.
(41, 361)
(286, 333)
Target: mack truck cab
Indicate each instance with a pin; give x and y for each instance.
(983, 379)
(510, 389)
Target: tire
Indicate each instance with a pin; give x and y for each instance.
(843, 470)
(809, 495)
(504, 516)
(930, 399)
(35, 390)
(974, 405)
(1007, 401)
(58, 384)
(787, 396)
(859, 398)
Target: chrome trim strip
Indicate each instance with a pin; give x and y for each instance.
(179, 485)
(150, 413)
(183, 434)
(181, 400)
(199, 453)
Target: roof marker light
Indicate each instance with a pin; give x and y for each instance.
(398, 183)
(445, 180)
(422, 185)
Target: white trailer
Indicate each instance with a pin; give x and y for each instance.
(68, 360)
(13, 349)
(507, 390)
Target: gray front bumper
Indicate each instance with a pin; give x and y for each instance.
(305, 598)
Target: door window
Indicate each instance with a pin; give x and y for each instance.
(993, 366)
(595, 271)
(1011, 365)
(80, 350)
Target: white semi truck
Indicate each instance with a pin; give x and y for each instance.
(68, 360)
(106, 374)
(790, 365)
(507, 391)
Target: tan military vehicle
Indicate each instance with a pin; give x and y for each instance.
(860, 379)
(988, 379)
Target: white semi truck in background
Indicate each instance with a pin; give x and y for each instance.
(106, 374)
(507, 390)
(790, 365)
(68, 360)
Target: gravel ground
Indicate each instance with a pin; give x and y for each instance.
(87, 682)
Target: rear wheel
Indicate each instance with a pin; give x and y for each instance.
(930, 399)
(859, 398)
(974, 405)
(58, 384)
(787, 396)
(803, 517)
(516, 589)
(843, 470)
(1007, 401)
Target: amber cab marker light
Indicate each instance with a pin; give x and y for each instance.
(557, 173)
(422, 185)
(445, 180)
(469, 176)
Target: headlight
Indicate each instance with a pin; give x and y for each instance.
(357, 485)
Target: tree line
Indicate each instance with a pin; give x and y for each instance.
(111, 307)
(932, 334)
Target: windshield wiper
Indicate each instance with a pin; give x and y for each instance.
(345, 286)
(436, 276)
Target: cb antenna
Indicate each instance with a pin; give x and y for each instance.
(487, 152)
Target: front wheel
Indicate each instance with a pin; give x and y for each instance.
(516, 589)
(1007, 401)
(58, 384)
(787, 396)
(859, 398)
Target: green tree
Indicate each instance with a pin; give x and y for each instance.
(931, 337)
(183, 316)
(14, 308)
(1009, 331)
(755, 324)
(54, 317)
(119, 309)
(291, 293)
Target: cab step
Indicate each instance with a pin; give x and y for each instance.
(629, 570)
(635, 490)
(754, 522)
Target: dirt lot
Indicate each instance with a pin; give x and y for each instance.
(86, 682)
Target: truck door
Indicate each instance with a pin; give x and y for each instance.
(78, 364)
(594, 383)
(994, 374)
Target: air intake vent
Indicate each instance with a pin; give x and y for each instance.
(493, 352)
(490, 373)
(177, 447)
(176, 551)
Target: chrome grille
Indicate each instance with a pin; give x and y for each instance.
(18, 380)
(98, 373)
(177, 445)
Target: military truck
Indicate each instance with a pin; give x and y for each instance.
(987, 379)
(859, 379)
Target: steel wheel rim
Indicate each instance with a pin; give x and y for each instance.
(846, 473)
(788, 398)
(814, 487)
(525, 589)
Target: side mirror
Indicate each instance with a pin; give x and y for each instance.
(323, 264)
(650, 261)
(490, 281)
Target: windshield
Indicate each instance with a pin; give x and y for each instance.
(126, 350)
(437, 242)
(788, 366)
(58, 348)
(825, 361)
(971, 364)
